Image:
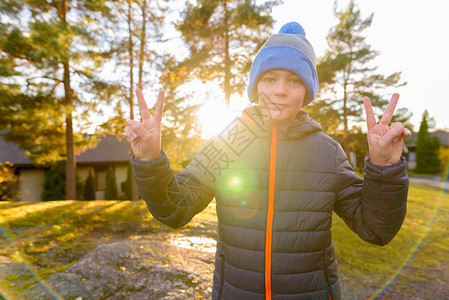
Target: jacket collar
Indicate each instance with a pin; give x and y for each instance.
(261, 123)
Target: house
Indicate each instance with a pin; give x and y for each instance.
(110, 151)
(410, 142)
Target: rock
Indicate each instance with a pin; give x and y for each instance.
(12, 274)
(10, 267)
(66, 286)
(134, 270)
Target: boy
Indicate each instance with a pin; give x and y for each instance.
(276, 178)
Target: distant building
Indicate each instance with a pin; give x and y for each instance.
(410, 144)
(110, 151)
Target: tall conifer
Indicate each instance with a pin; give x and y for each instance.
(223, 36)
(111, 191)
(347, 75)
(56, 52)
(427, 147)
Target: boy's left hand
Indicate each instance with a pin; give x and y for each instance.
(385, 142)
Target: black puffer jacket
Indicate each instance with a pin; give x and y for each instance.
(276, 186)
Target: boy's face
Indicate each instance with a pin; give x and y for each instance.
(282, 93)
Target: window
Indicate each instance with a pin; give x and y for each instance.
(100, 178)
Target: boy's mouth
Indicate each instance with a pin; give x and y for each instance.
(277, 105)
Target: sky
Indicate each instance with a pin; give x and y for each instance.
(410, 35)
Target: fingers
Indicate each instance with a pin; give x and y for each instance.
(158, 111)
(144, 111)
(132, 136)
(136, 128)
(388, 115)
(370, 118)
(395, 133)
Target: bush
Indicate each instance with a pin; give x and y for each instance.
(79, 187)
(127, 185)
(443, 155)
(111, 192)
(9, 182)
(54, 182)
(89, 187)
(123, 197)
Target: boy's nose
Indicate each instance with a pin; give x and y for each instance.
(280, 88)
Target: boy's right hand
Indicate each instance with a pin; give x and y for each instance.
(145, 137)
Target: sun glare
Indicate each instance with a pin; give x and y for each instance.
(214, 116)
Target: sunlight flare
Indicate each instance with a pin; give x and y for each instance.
(214, 116)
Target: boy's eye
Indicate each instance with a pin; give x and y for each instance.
(268, 79)
(296, 81)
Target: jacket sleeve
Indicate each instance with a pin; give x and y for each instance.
(375, 207)
(172, 199)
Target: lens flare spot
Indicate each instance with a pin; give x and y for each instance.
(245, 209)
(235, 183)
(238, 188)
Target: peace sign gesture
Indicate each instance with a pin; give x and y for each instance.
(385, 142)
(145, 137)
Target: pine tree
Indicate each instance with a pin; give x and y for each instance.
(181, 133)
(223, 36)
(89, 187)
(347, 76)
(54, 183)
(111, 191)
(127, 184)
(134, 42)
(54, 47)
(427, 148)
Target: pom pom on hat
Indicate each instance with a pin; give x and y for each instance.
(292, 28)
(287, 50)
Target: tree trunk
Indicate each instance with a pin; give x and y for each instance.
(70, 191)
(345, 122)
(143, 37)
(227, 62)
(134, 192)
(131, 61)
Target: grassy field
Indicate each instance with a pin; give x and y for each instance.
(51, 236)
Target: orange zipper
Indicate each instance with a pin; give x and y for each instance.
(269, 231)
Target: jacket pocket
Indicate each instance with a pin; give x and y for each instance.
(220, 294)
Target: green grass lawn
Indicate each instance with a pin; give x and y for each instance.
(50, 236)
(365, 268)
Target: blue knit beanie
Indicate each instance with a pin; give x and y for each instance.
(287, 50)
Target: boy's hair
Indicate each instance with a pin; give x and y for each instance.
(287, 50)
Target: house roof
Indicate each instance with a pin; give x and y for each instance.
(442, 135)
(109, 149)
(10, 152)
